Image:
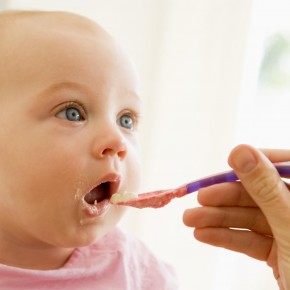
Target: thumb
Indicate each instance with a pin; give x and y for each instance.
(263, 183)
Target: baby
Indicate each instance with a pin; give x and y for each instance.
(69, 99)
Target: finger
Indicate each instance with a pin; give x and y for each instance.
(225, 194)
(227, 217)
(261, 180)
(247, 242)
(277, 155)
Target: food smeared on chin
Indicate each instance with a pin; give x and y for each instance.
(119, 198)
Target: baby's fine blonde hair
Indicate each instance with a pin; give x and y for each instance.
(64, 18)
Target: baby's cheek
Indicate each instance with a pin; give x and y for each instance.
(115, 215)
(134, 175)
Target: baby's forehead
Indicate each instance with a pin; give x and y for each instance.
(20, 30)
(35, 41)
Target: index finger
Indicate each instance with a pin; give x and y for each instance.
(225, 194)
(277, 155)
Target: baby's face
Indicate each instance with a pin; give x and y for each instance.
(69, 112)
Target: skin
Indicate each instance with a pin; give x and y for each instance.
(49, 63)
(259, 203)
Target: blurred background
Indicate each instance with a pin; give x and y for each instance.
(214, 73)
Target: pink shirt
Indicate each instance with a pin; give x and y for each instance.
(117, 261)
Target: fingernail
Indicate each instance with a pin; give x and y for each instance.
(244, 160)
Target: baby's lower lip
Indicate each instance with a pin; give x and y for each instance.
(95, 210)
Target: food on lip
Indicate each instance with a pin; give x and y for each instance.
(94, 210)
(123, 197)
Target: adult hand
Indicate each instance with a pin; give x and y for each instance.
(260, 203)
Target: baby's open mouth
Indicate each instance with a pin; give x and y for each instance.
(96, 202)
(98, 194)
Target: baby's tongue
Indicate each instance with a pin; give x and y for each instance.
(97, 194)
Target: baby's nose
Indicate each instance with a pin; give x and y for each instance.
(110, 142)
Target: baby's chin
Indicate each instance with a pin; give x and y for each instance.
(95, 229)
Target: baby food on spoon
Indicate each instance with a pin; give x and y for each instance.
(121, 197)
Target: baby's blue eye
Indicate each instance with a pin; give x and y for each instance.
(126, 121)
(71, 113)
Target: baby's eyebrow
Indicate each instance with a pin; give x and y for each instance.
(81, 87)
(57, 89)
(63, 85)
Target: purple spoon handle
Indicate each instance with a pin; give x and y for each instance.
(283, 170)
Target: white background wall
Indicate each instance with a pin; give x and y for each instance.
(192, 57)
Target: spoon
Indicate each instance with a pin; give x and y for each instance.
(160, 198)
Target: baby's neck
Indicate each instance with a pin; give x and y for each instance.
(34, 258)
